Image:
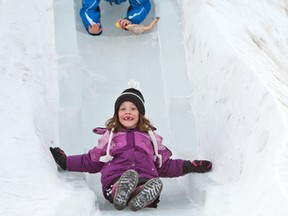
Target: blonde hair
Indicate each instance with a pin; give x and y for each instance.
(143, 125)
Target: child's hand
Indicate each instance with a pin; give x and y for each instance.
(201, 166)
(123, 23)
(59, 157)
(95, 29)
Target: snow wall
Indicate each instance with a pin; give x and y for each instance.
(239, 103)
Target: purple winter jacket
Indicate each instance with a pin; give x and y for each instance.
(131, 149)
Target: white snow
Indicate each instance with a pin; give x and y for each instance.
(214, 77)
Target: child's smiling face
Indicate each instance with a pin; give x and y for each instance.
(128, 115)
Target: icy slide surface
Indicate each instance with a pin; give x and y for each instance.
(95, 70)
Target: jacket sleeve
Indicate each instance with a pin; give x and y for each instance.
(82, 163)
(138, 10)
(172, 168)
(90, 13)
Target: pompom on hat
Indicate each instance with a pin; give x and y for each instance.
(132, 94)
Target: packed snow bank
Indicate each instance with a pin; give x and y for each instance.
(28, 122)
(29, 179)
(237, 72)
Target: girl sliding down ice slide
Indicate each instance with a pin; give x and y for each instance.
(130, 156)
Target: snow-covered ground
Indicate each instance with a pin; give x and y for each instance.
(57, 83)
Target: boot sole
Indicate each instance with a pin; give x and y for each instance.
(126, 185)
(147, 195)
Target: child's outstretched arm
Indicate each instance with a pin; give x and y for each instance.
(138, 10)
(90, 15)
(76, 163)
(178, 167)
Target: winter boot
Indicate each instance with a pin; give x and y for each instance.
(148, 194)
(125, 186)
